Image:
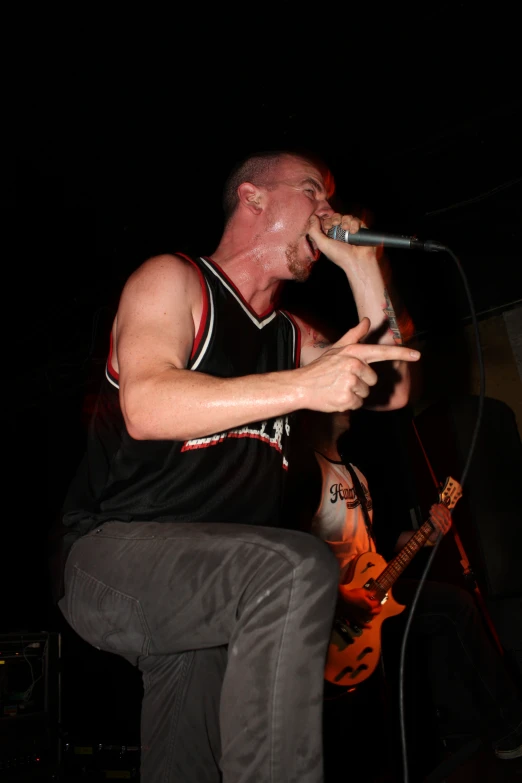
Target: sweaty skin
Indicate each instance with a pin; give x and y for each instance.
(161, 305)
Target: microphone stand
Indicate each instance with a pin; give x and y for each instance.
(467, 570)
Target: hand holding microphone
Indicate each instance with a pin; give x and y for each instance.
(364, 237)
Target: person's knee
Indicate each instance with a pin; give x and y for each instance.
(315, 557)
(299, 557)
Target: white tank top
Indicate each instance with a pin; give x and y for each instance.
(339, 519)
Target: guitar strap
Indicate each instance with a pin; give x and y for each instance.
(361, 496)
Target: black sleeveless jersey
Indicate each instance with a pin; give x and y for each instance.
(232, 476)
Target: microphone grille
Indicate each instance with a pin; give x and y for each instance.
(336, 232)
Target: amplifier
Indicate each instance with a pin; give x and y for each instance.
(29, 705)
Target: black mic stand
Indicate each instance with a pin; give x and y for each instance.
(472, 745)
(467, 571)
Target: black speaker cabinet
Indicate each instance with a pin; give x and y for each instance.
(29, 706)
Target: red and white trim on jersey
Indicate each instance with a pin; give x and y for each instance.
(296, 345)
(206, 324)
(110, 373)
(261, 320)
(207, 313)
(246, 432)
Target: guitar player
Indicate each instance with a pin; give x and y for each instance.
(326, 499)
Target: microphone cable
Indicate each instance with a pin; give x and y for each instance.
(465, 471)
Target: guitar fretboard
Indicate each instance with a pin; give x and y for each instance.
(396, 566)
(451, 492)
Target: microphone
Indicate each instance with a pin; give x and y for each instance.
(368, 238)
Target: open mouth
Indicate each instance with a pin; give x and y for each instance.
(313, 248)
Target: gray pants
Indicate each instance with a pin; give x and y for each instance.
(229, 625)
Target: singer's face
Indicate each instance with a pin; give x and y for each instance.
(297, 192)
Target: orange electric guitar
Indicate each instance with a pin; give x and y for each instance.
(354, 652)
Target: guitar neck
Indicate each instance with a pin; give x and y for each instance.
(451, 492)
(396, 566)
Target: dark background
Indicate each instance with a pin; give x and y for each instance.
(123, 130)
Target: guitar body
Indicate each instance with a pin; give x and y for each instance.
(353, 652)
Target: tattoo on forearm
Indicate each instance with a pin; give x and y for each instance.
(318, 341)
(389, 312)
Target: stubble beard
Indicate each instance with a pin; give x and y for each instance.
(299, 270)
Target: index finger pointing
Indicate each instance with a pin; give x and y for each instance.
(380, 353)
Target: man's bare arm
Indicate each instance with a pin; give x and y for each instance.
(440, 518)
(368, 274)
(154, 333)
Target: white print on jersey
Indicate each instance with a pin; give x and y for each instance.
(279, 426)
